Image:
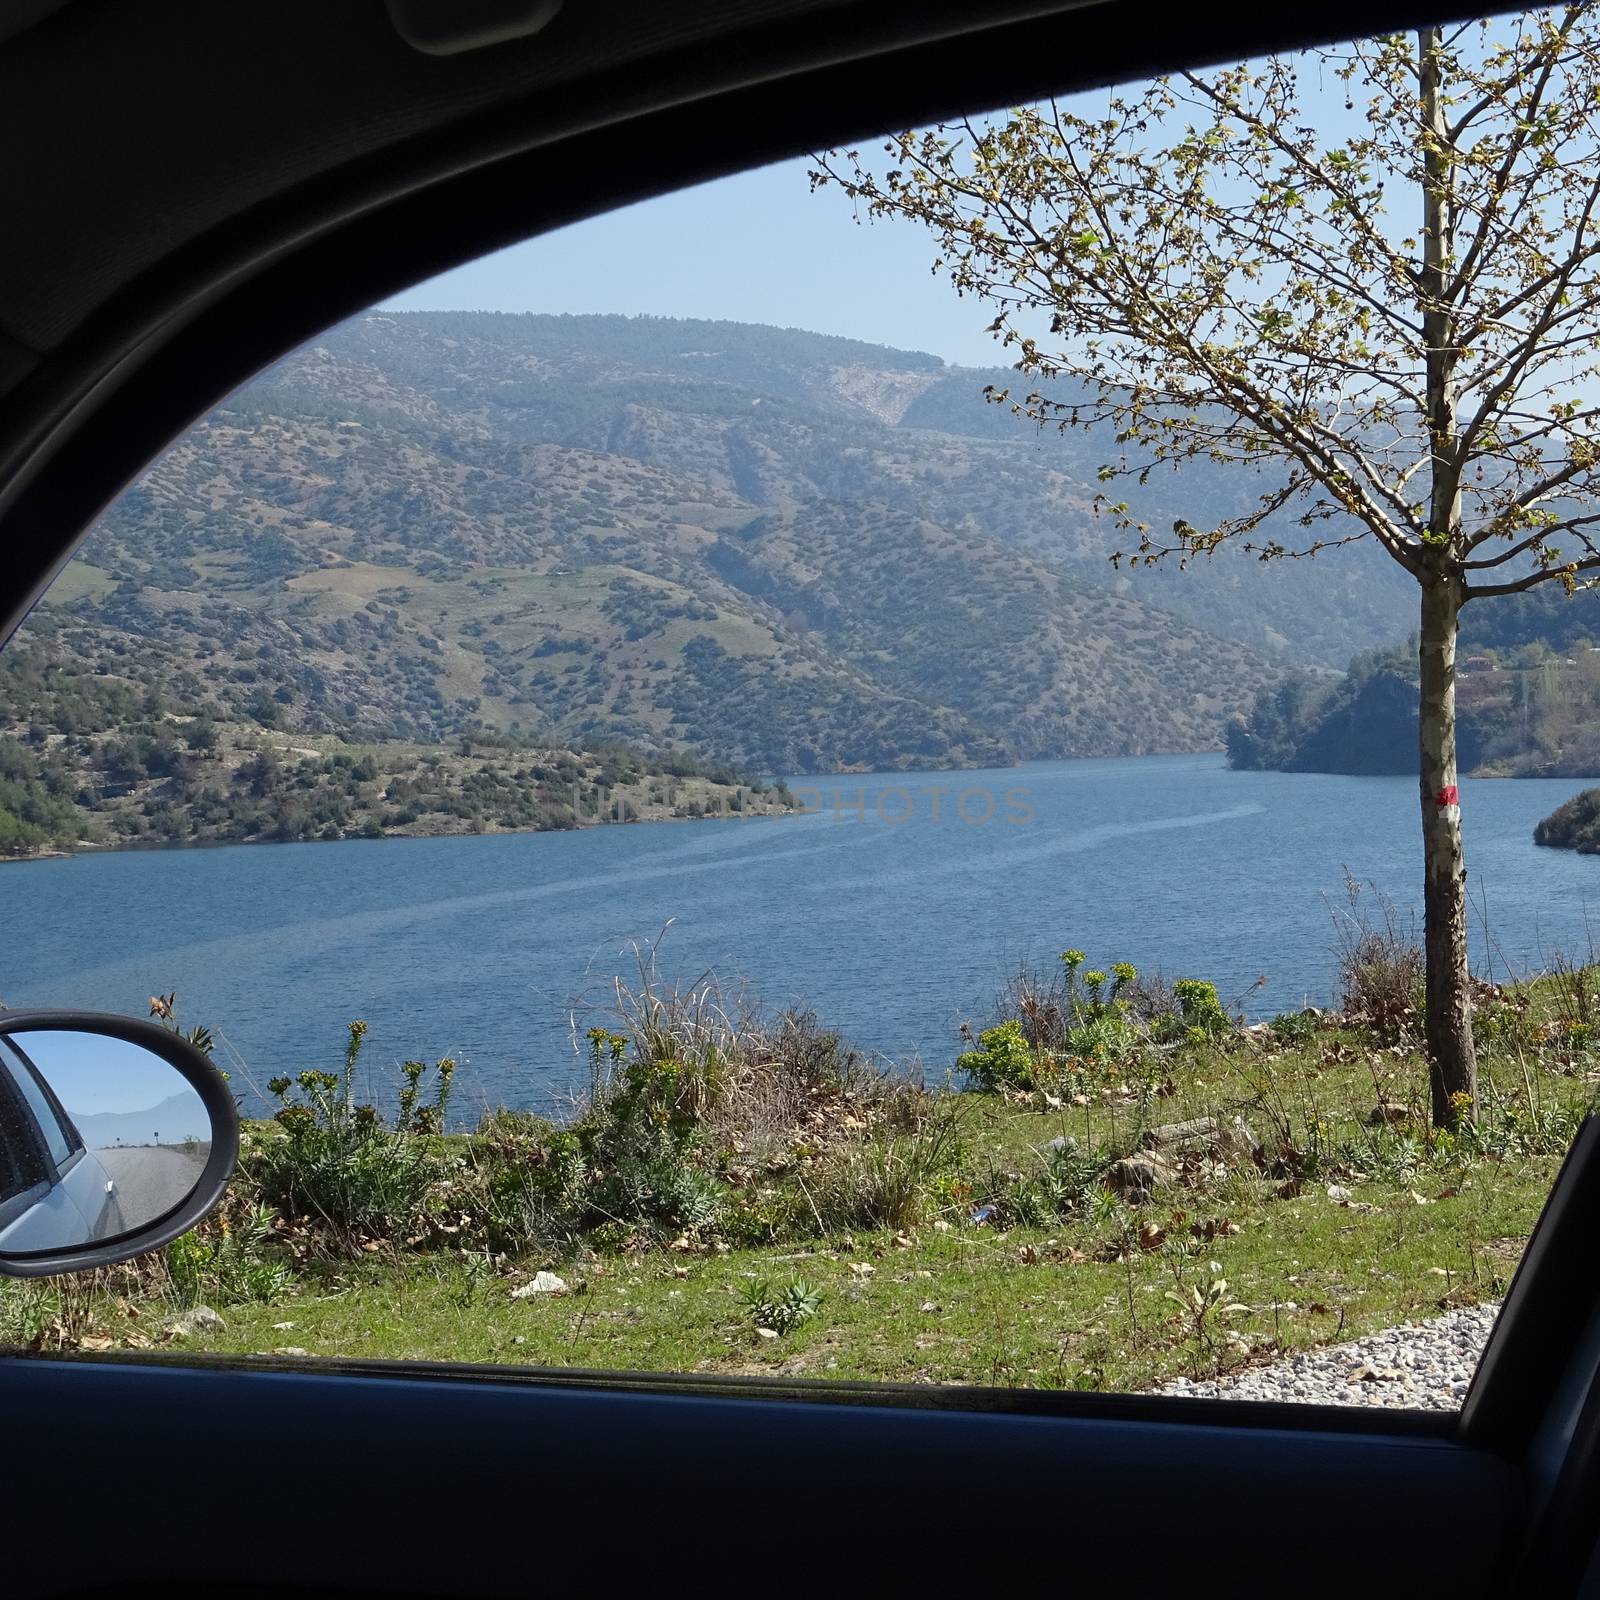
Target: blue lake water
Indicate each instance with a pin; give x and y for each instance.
(895, 931)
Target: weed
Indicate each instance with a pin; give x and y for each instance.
(797, 1302)
(227, 1260)
(337, 1171)
(1571, 986)
(1063, 1183)
(1293, 1027)
(464, 1287)
(1380, 966)
(57, 1313)
(889, 1180)
(1201, 1304)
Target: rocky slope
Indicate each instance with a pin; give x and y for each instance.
(787, 551)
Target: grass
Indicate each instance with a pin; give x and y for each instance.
(725, 1164)
(974, 1305)
(77, 579)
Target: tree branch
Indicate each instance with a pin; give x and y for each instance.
(1533, 580)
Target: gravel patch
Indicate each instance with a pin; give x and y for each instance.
(1423, 1366)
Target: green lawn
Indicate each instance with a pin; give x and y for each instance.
(1077, 1305)
(968, 1306)
(1343, 1223)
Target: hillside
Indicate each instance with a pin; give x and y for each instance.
(776, 415)
(105, 759)
(1527, 701)
(785, 551)
(180, 1116)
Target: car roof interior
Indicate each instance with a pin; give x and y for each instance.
(194, 189)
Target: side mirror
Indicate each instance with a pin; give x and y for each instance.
(115, 1137)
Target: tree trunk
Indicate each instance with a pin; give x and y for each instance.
(1452, 1057)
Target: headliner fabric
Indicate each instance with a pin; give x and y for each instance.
(132, 126)
(17, 16)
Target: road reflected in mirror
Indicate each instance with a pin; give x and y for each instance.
(98, 1137)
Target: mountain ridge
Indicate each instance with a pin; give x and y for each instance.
(424, 525)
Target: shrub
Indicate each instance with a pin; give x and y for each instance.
(1003, 1061)
(651, 1175)
(685, 1087)
(635, 1162)
(1199, 1009)
(642, 1142)
(1149, 997)
(742, 1079)
(338, 1171)
(1382, 985)
(1087, 992)
(1056, 1032)
(527, 1181)
(1039, 1004)
(752, 1221)
(1106, 1039)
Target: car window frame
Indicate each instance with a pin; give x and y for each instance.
(76, 1148)
(187, 357)
(434, 1424)
(33, 1164)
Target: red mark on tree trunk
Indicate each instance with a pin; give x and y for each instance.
(1447, 796)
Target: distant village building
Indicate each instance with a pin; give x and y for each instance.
(1477, 664)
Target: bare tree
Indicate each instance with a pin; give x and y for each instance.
(1392, 316)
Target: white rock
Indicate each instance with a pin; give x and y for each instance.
(202, 1319)
(540, 1283)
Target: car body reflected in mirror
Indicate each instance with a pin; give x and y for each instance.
(115, 1136)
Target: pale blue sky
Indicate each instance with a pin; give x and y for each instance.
(761, 247)
(758, 247)
(91, 1072)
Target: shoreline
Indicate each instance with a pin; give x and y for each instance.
(796, 784)
(94, 848)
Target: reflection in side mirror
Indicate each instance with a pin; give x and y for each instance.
(115, 1137)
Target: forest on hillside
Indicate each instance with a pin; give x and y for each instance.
(1527, 699)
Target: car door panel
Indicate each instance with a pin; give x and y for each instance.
(54, 1219)
(91, 1191)
(554, 1486)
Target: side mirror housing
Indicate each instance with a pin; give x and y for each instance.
(116, 1136)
